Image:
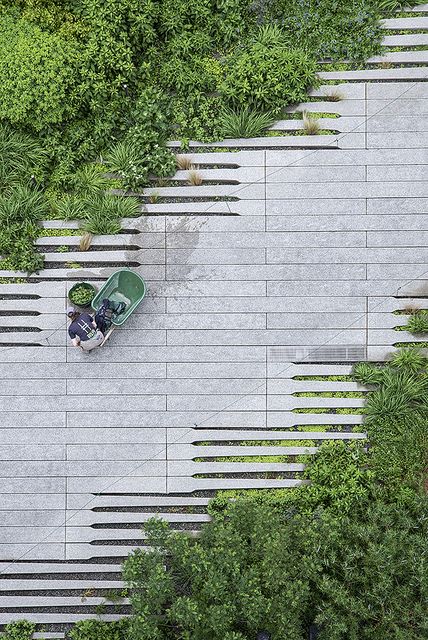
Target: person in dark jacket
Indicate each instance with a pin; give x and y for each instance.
(83, 331)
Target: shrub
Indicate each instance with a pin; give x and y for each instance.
(409, 359)
(268, 77)
(40, 74)
(244, 123)
(99, 630)
(19, 630)
(21, 157)
(418, 323)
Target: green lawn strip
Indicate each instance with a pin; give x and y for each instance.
(329, 394)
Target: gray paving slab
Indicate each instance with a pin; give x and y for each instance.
(419, 23)
(263, 272)
(297, 239)
(286, 159)
(266, 337)
(315, 206)
(400, 73)
(354, 189)
(398, 106)
(350, 222)
(290, 304)
(406, 40)
(418, 140)
(396, 90)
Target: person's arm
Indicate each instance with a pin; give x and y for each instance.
(76, 341)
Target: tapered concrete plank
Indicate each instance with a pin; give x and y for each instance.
(48, 321)
(42, 501)
(105, 402)
(367, 75)
(201, 484)
(351, 91)
(370, 255)
(256, 272)
(311, 142)
(310, 369)
(17, 418)
(397, 90)
(88, 518)
(395, 140)
(350, 222)
(32, 485)
(13, 535)
(35, 371)
(343, 107)
(240, 158)
(40, 551)
(49, 618)
(292, 304)
(397, 172)
(186, 468)
(346, 288)
(103, 452)
(399, 272)
(255, 401)
(419, 56)
(281, 386)
(354, 189)
(31, 518)
(168, 419)
(399, 107)
(324, 320)
(313, 174)
(38, 306)
(397, 205)
(386, 320)
(285, 159)
(77, 501)
(175, 386)
(315, 206)
(405, 23)
(288, 403)
(405, 40)
(33, 468)
(268, 239)
(201, 370)
(278, 419)
(216, 256)
(113, 484)
(222, 288)
(214, 223)
(147, 467)
(181, 354)
(197, 321)
(267, 337)
(393, 239)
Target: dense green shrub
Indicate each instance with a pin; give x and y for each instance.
(268, 76)
(99, 630)
(19, 630)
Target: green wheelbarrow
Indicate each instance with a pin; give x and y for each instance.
(122, 286)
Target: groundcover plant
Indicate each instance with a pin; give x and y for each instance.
(97, 86)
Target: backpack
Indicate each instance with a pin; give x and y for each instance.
(107, 312)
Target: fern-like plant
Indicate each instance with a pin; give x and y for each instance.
(244, 122)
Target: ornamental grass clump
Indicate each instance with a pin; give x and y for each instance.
(418, 323)
(244, 122)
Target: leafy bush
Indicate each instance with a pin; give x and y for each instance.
(19, 630)
(268, 77)
(244, 123)
(99, 630)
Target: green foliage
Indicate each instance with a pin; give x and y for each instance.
(268, 77)
(19, 630)
(391, 6)
(367, 373)
(21, 157)
(333, 29)
(244, 123)
(99, 630)
(409, 359)
(418, 323)
(40, 74)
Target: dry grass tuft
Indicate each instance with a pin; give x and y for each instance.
(85, 241)
(311, 125)
(154, 197)
(335, 96)
(184, 162)
(195, 178)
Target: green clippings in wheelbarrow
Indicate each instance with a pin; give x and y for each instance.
(122, 286)
(81, 294)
